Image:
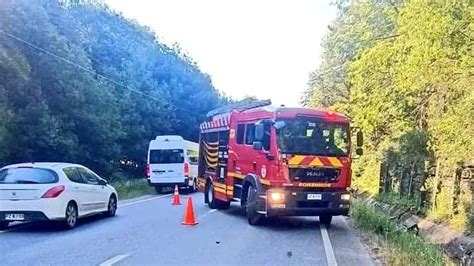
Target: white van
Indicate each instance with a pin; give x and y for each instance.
(171, 161)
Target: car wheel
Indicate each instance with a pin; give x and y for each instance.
(195, 186)
(325, 220)
(253, 217)
(112, 206)
(4, 225)
(71, 216)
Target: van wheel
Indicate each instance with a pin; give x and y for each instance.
(325, 220)
(253, 217)
(159, 189)
(212, 202)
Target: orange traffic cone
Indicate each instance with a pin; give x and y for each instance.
(189, 214)
(176, 197)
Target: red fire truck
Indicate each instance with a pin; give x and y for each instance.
(276, 161)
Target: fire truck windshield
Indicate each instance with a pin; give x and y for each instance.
(311, 137)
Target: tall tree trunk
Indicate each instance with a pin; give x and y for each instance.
(435, 186)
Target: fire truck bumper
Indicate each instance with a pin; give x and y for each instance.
(307, 203)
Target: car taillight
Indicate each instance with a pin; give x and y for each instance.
(53, 192)
(147, 170)
(186, 169)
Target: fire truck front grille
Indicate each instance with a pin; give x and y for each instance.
(314, 174)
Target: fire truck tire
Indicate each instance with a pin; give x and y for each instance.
(212, 201)
(253, 217)
(325, 219)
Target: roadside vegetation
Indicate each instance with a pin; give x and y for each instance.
(403, 71)
(397, 247)
(132, 188)
(80, 83)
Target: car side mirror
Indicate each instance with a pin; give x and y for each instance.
(360, 139)
(103, 182)
(257, 145)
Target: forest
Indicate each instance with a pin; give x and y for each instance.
(80, 83)
(404, 72)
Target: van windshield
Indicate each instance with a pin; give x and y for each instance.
(166, 156)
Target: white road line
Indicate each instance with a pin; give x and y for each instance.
(331, 259)
(144, 200)
(205, 214)
(114, 260)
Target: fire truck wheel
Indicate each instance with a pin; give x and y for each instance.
(325, 219)
(253, 217)
(212, 201)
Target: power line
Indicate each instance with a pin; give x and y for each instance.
(67, 61)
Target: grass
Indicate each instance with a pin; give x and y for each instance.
(399, 247)
(396, 199)
(132, 188)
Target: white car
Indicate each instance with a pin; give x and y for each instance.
(53, 192)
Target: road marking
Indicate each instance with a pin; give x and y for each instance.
(205, 214)
(114, 260)
(331, 259)
(144, 200)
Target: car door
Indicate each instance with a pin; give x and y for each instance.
(80, 189)
(94, 200)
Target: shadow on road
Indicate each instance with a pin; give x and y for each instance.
(280, 223)
(54, 226)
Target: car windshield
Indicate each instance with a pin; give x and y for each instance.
(166, 156)
(27, 176)
(311, 137)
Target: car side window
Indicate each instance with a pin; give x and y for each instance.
(73, 175)
(89, 177)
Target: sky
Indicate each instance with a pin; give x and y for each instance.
(261, 48)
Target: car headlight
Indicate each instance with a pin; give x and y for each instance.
(345, 197)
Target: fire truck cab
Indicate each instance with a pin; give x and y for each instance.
(276, 161)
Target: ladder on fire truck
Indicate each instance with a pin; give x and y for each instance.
(246, 104)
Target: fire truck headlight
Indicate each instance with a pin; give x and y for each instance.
(345, 197)
(277, 196)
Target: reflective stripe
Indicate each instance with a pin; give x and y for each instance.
(295, 160)
(316, 162)
(264, 182)
(334, 161)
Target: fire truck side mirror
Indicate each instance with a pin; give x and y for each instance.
(360, 139)
(259, 131)
(257, 145)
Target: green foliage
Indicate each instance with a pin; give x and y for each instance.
(403, 71)
(109, 88)
(132, 188)
(402, 248)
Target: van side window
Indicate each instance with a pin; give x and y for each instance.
(240, 133)
(250, 134)
(193, 156)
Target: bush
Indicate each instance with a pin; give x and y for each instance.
(402, 248)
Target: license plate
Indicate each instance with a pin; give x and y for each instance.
(14, 216)
(314, 197)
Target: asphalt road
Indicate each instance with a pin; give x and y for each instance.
(149, 232)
